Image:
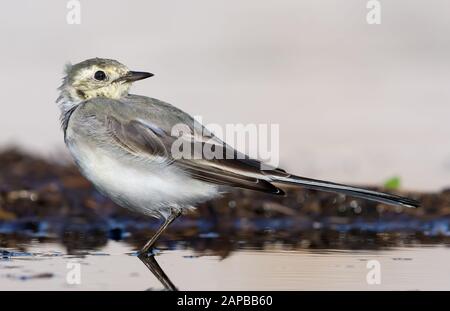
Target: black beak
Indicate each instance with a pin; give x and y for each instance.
(132, 76)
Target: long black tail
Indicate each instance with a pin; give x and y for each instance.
(349, 190)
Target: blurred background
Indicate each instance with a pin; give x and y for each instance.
(355, 103)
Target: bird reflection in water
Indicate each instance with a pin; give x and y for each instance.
(152, 265)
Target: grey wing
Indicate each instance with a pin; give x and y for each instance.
(144, 139)
(135, 138)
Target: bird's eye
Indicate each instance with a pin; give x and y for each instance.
(100, 75)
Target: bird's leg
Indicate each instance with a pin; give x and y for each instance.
(173, 215)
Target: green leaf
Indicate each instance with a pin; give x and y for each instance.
(392, 183)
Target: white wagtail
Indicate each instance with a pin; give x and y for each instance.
(123, 143)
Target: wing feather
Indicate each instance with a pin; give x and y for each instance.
(143, 139)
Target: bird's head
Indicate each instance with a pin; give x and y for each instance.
(96, 77)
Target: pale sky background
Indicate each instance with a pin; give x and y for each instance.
(355, 102)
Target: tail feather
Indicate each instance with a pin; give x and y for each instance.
(348, 190)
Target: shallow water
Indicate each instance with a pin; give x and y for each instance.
(46, 266)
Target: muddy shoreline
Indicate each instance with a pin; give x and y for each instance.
(53, 202)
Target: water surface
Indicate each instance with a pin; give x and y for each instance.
(45, 266)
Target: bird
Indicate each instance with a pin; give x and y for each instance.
(124, 144)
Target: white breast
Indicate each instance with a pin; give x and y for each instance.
(150, 187)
